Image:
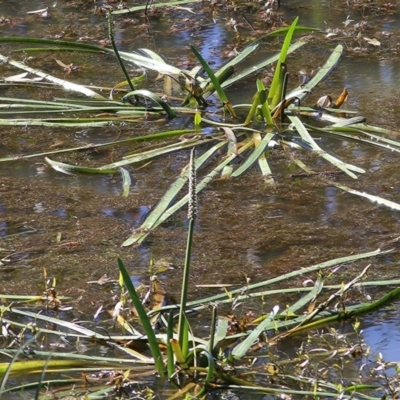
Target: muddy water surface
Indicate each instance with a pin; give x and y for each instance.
(74, 225)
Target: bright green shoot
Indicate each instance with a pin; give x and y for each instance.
(275, 93)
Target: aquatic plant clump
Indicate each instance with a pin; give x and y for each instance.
(142, 335)
(240, 346)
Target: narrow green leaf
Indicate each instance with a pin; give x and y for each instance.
(254, 155)
(253, 109)
(153, 5)
(264, 103)
(275, 93)
(374, 199)
(144, 319)
(243, 347)
(139, 236)
(215, 82)
(240, 75)
(170, 352)
(321, 74)
(164, 203)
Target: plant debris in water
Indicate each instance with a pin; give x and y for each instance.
(241, 344)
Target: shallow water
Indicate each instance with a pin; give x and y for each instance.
(245, 228)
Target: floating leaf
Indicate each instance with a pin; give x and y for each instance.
(68, 168)
(373, 42)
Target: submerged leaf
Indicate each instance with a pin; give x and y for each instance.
(152, 96)
(68, 168)
(126, 181)
(373, 42)
(61, 82)
(22, 78)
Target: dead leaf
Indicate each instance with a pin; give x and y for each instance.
(373, 42)
(341, 99)
(324, 101)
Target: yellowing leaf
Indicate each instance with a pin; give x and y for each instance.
(373, 42)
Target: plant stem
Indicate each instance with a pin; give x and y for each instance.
(183, 324)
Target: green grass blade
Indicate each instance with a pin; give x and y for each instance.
(264, 103)
(42, 376)
(221, 331)
(156, 136)
(144, 319)
(297, 29)
(223, 76)
(292, 275)
(170, 352)
(30, 122)
(376, 129)
(215, 82)
(262, 161)
(198, 304)
(86, 360)
(372, 139)
(242, 348)
(209, 375)
(7, 368)
(374, 199)
(150, 63)
(240, 75)
(240, 57)
(140, 60)
(253, 109)
(211, 75)
(73, 327)
(116, 52)
(149, 154)
(291, 310)
(57, 43)
(274, 96)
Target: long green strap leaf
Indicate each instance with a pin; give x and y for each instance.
(254, 156)
(375, 199)
(139, 235)
(288, 276)
(274, 93)
(322, 73)
(260, 65)
(347, 168)
(142, 234)
(144, 319)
